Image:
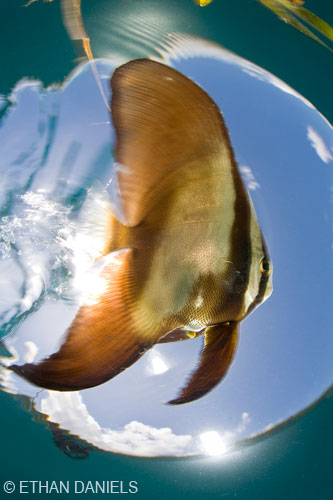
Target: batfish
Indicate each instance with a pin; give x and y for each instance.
(186, 254)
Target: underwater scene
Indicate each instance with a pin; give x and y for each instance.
(165, 241)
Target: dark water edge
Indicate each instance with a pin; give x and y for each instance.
(295, 463)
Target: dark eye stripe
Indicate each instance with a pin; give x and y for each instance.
(261, 292)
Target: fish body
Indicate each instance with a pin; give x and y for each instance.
(186, 251)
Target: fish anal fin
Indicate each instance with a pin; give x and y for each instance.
(102, 340)
(217, 355)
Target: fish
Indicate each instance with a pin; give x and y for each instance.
(185, 256)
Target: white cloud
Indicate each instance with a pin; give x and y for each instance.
(136, 438)
(319, 145)
(245, 421)
(249, 179)
(230, 436)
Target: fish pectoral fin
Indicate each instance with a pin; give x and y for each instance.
(179, 334)
(102, 340)
(216, 357)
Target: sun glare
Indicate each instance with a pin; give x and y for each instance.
(212, 443)
(158, 365)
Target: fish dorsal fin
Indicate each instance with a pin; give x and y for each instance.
(217, 355)
(104, 338)
(163, 121)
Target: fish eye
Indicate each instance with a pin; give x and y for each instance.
(265, 267)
